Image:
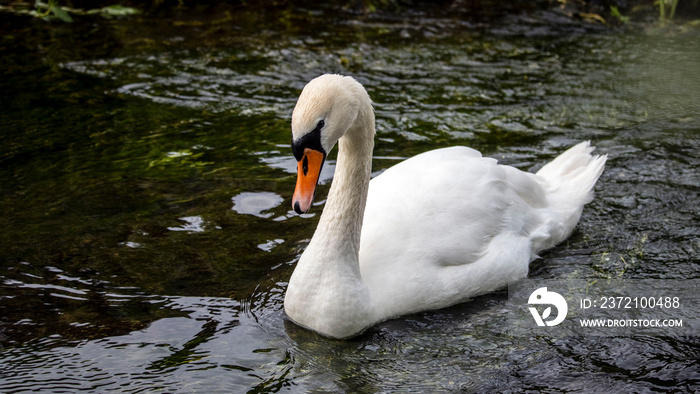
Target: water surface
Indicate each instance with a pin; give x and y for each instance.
(147, 177)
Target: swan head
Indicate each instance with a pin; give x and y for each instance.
(328, 107)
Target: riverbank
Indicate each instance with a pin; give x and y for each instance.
(607, 12)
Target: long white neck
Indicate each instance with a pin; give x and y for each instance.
(340, 225)
(326, 292)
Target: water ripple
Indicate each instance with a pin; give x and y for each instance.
(521, 89)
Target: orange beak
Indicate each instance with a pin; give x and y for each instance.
(308, 172)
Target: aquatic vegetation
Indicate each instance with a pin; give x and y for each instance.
(620, 11)
(53, 10)
(615, 13)
(667, 9)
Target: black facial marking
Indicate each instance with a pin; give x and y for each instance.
(311, 140)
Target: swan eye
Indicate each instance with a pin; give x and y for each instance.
(320, 124)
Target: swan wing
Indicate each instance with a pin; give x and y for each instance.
(445, 225)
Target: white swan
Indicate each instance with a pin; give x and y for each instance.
(429, 232)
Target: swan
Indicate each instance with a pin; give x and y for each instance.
(430, 232)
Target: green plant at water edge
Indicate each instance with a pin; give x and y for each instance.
(667, 9)
(615, 13)
(52, 8)
(372, 6)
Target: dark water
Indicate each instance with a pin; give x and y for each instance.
(147, 234)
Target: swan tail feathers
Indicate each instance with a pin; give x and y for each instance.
(569, 182)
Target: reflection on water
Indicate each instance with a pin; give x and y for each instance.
(154, 357)
(148, 236)
(193, 224)
(256, 203)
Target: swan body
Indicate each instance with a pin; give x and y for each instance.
(427, 233)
